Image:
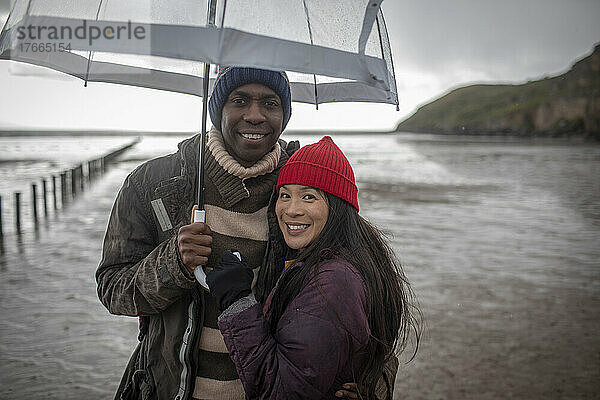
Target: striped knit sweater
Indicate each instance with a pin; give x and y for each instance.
(236, 211)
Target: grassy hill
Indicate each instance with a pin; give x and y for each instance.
(565, 104)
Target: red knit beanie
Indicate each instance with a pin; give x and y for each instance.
(321, 165)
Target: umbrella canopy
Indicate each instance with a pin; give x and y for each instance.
(333, 51)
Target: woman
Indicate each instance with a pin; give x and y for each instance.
(338, 309)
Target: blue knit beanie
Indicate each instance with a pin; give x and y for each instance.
(230, 78)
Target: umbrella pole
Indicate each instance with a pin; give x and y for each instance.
(202, 149)
(199, 215)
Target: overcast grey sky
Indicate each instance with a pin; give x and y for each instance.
(437, 45)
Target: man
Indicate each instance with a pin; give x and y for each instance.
(151, 250)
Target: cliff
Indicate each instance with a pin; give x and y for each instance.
(562, 105)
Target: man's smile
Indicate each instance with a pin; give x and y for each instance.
(253, 135)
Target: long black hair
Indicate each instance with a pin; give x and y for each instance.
(391, 311)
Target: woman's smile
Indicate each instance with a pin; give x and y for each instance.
(294, 229)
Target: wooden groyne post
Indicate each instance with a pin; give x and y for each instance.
(1, 229)
(45, 200)
(34, 203)
(18, 211)
(63, 188)
(90, 171)
(54, 192)
(80, 177)
(73, 182)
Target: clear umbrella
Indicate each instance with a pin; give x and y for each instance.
(333, 51)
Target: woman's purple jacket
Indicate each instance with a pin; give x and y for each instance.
(320, 341)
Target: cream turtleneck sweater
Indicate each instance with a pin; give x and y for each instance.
(267, 164)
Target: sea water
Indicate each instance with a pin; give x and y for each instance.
(488, 230)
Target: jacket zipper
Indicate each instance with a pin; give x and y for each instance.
(189, 345)
(183, 356)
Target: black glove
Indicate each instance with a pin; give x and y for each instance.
(230, 280)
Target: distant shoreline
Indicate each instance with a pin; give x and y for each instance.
(55, 132)
(506, 133)
(579, 136)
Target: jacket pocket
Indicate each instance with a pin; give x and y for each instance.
(137, 382)
(143, 384)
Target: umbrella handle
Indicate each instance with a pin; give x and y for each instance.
(200, 216)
